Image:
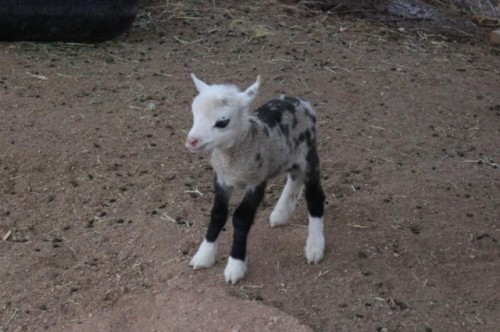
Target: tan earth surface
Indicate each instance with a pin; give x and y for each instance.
(102, 206)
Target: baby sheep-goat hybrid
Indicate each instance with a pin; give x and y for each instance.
(249, 148)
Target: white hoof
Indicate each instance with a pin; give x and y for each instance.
(235, 270)
(206, 255)
(315, 249)
(315, 245)
(278, 218)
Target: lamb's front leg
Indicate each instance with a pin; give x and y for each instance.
(242, 221)
(207, 253)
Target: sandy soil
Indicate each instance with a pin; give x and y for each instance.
(102, 206)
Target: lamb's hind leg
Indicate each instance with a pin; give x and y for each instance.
(288, 199)
(207, 253)
(315, 198)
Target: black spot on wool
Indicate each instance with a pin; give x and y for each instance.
(304, 136)
(312, 117)
(292, 100)
(289, 107)
(258, 159)
(270, 113)
(312, 164)
(284, 129)
(295, 122)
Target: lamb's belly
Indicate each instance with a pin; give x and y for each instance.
(246, 174)
(242, 180)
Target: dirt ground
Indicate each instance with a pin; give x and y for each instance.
(102, 206)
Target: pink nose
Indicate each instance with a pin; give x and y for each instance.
(192, 141)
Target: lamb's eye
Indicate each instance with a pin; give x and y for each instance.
(222, 123)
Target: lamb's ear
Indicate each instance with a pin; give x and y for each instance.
(250, 93)
(200, 85)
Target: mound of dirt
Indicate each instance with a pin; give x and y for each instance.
(186, 310)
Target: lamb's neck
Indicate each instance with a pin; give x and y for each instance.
(242, 142)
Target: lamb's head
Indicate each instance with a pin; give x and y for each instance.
(220, 115)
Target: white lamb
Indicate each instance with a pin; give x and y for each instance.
(248, 148)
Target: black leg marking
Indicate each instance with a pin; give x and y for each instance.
(315, 196)
(284, 129)
(219, 212)
(243, 218)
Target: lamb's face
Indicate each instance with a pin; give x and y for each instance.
(217, 123)
(220, 115)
